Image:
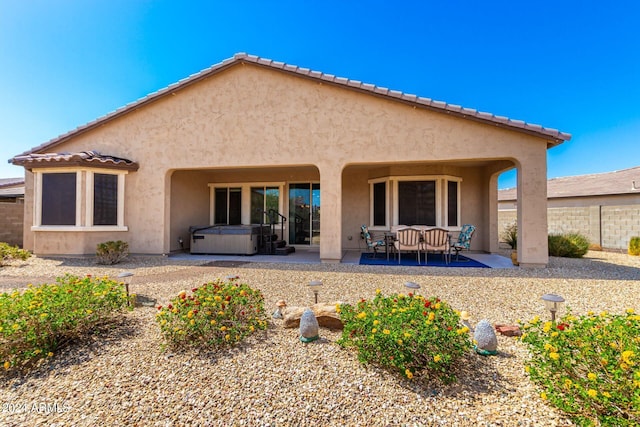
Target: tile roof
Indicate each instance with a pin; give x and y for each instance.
(82, 158)
(553, 136)
(10, 182)
(626, 181)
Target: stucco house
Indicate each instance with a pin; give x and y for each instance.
(605, 207)
(249, 133)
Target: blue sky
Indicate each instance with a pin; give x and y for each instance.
(568, 65)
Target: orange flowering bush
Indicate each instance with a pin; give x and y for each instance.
(216, 314)
(36, 322)
(406, 333)
(588, 366)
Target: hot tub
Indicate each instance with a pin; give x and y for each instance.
(226, 239)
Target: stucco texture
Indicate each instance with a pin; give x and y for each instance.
(251, 124)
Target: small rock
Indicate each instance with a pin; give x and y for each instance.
(508, 330)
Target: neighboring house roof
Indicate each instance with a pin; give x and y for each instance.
(626, 181)
(82, 158)
(11, 187)
(9, 182)
(553, 136)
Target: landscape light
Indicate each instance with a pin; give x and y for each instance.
(552, 302)
(315, 285)
(125, 277)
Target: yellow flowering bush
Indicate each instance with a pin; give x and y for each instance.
(405, 333)
(216, 314)
(588, 366)
(36, 322)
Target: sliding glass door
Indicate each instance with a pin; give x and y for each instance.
(304, 214)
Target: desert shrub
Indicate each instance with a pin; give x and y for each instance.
(407, 334)
(36, 322)
(634, 246)
(510, 235)
(8, 253)
(588, 366)
(112, 252)
(569, 245)
(216, 314)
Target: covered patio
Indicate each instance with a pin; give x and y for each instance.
(312, 256)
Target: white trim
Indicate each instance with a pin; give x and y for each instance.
(441, 194)
(372, 226)
(84, 176)
(121, 199)
(445, 204)
(245, 188)
(89, 197)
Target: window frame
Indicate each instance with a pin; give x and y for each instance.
(372, 183)
(245, 188)
(84, 200)
(441, 196)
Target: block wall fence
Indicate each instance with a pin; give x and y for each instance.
(608, 226)
(11, 223)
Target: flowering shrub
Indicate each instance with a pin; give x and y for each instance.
(408, 334)
(36, 322)
(217, 314)
(8, 252)
(588, 366)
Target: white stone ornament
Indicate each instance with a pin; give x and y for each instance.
(308, 326)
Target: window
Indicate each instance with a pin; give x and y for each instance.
(379, 196)
(227, 206)
(79, 200)
(263, 199)
(58, 198)
(452, 203)
(417, 202)
(105, 199)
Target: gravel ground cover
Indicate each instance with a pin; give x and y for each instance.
(124, 376)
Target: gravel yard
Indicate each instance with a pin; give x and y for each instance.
(123, 376)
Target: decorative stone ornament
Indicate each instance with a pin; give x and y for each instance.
(281, 306)
(308, 326)
(486, 339)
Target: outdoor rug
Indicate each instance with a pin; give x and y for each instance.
(409, 260)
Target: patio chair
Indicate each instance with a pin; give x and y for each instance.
(464, 239)
(436, 240)
(407, 239)
(369, 240)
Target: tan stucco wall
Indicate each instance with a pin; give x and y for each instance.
(252, 116)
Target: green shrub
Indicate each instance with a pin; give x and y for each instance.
(36, 322)
(406, 334)
(8, 253)
(634, 246)
(510, 235)
(588, 366)
(217, 314)
(112, 252)
(569, 245)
